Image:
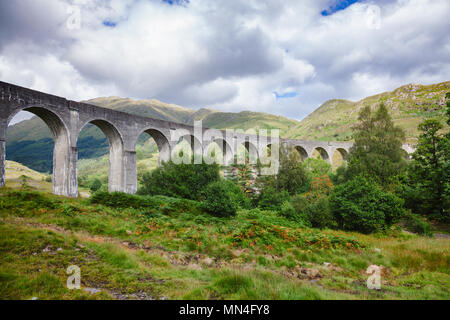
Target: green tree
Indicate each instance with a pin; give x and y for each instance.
(292, 176)
(96, 185)
(220, 200)
(317, 167)
(377, 152)
(429, 170)
(179, 180)
(361, 205)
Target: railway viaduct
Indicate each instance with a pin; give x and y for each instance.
(66, 119)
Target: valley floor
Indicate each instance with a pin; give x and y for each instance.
(174, 251)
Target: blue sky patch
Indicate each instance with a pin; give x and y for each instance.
(285, 95)
(110, 24)
(176, 2)
(338, 6)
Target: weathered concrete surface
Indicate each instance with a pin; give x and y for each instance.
(67, 118)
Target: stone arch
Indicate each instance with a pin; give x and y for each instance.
(195, 149)
(252, 151)
(162, 142)
(301, 151)
(323, 154)
(116, 153)
(224, 146)
(61, 151)
(339, 157)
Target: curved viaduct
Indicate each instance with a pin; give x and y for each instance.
(66, 119)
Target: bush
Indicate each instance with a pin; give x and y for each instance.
(219, 199)
(96, 185)
(317, 167)
(179, 180)
(289, 211)
(236, 194)
(315, 209)
(32, 200)
(417, 224)
(162, 204)
(271, 199)
(360, 205)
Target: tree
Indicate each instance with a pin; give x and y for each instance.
(377, 152)
(314, 206)
(361, 205)
(179, 180)
(429, 172)
(220, 200)
(292, 176)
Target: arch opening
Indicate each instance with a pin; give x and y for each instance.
(105, 164)
(247, 153)
(187, 149)
(320, 153)
(301, 152)
(38, 139)
(218, 151)
(152, 149)
(339, 158)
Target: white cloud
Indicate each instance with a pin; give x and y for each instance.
(229, 55)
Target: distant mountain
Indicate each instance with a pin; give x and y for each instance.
(30, 143)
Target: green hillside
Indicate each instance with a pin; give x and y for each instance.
(408, 105)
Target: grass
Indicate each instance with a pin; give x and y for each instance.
(169, 248)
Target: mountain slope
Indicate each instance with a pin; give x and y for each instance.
(408, 106)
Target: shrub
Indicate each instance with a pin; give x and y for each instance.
(236, 194)
(219, 200)
(313, 206)
(289, 211)
(271, 199)
(163, 204)
(32, 200)
(315, 209)
(360, 205)
(179, 180)
(96, 185)
(417, 224)
(317, 167)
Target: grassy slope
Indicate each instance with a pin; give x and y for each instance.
(408, 105)
(169, 252)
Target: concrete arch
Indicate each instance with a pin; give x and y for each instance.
(339, 157)
(183, 155)
(265, 153)
(224, 146)
(252, 150)
(162, 142)
(61, 150)
(301, 151)
(116, 153)
(322, 153)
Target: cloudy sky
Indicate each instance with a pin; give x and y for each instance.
(284, 57)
